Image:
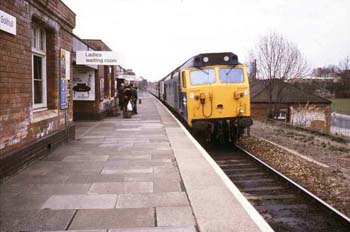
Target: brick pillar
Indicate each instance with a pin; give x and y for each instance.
(52, 70)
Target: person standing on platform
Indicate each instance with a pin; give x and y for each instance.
(127, 102)
(133, 97)
(121, 96)
(127, 96)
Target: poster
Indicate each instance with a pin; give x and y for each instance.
(65, 64)
(63, 94)
(64, 78)
(84, 86)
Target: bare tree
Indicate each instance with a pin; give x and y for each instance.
(344, 72)
(277, 60)
(345, 63)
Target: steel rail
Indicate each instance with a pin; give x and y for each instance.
(342, 216)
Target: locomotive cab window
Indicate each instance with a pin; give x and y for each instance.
(183, 79)
(202, 77)
(231, 75)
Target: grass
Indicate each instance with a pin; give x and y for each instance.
(341, 105)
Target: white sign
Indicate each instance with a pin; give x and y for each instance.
(96, 58)
(84, 86)
(7, 23)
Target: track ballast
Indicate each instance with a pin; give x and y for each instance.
(282, 204)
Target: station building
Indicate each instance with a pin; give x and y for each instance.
(293, 105)
(36, 105)
(94, 86)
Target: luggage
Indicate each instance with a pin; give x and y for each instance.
(129, 106)
(128, 112)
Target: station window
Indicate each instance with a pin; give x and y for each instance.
(39, 85)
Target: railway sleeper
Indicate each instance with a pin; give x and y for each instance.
(254, 181)
(263, 188)
(268, 197)
(230, 174)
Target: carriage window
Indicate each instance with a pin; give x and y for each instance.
(202, 76)
(231, 75)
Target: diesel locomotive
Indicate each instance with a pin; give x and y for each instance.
(210, 93)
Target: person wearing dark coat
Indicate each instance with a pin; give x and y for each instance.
(121, 96)
(127, 96)
(133, 98)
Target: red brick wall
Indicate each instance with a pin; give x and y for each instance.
(16, 125)
(259, 111)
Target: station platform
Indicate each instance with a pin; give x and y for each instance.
(145, 173)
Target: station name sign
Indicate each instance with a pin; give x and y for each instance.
(7, 23)
(96, 58)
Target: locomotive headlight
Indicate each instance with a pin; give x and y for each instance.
(226, 58)
(205, 59)
(241, 110)
(246, 92)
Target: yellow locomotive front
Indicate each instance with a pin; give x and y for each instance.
(216, 94)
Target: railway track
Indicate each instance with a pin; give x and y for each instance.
(284, 205)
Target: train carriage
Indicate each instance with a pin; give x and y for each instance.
(210, 92)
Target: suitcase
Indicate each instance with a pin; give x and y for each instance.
(127, 114)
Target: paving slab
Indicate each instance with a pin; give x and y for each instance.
(131, 157)
(93, 158)
(152, 176)
(51, 189)
(113, 218)
(111, 170)
(75, 231)
(161, 185)
(94, 178)
(165, 169)
(122, 187)
(32, 179)
(150, 163)
(14, 188)
(35, 220)
(158, 229)
(21, 202)
(174, 216)
(100, 201)
(152, 200)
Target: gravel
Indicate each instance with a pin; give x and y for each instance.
(319, 163)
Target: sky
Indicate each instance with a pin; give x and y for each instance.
(153, 37)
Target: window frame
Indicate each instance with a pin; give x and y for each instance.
(228, 82)
(203, 70)
(39, 37)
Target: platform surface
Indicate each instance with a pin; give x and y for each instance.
(138, 174)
